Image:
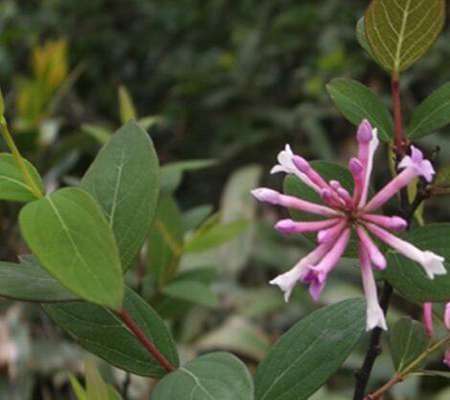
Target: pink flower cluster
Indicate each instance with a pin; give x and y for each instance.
(345, 212)
(428, 321)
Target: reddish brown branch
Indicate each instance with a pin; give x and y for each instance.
(148, 344)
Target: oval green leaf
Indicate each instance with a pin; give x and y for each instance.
(407, 340)
(12, 184)
(409, 278)
(102, 333)
(401, 31)
(433, 113)
(72, 239)
(357, 102)
(124, 179)
(310, 352)
(215, 376)
(28, 281)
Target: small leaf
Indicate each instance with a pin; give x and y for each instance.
(96, 388)
(165, 241)
(407, 340)
(28, 281)
(362, 38)
(310, 352)
(214, 376)
(12, 184)
(77, 388)
(401, 31)
(409, 278)
(195, 216)
(69, 234)
(191, 291)
(124, 179)
(127, 110)
(215, 236)
(433, 113)
(357, 102)
(172, 173)
(101, 332)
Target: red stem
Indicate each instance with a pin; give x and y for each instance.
(399, 137)
(149, 345)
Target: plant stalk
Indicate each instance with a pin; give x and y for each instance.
(148, 344)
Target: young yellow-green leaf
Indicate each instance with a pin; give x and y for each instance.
(357, 102)
(401, 31)
(124, 179)
(409, 278)
(72, 239)
(12, 184)
(214, 376)
(433, 113)
(310, 352)
(96, 388)
(127, 110)
(407, 340)
(77, 388)
(28, 281)
(101, 332)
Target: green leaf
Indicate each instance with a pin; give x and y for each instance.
(215, 236)
(409, 278)
(165, 241)
(215, 376)
(127, 110)
(195, 216)
(401, 31)
(12, 184)
(310, 352)
(124, 179)
(102, 333)
(356, 102)
(70, 236)
(433, 113)
(362, 38)
(191, 291)
(77, 388)
(172, 173)
(28, 281)
(407, 340)
(96, 388)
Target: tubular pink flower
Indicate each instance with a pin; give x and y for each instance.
(288, 226)
(430, 262)
(273, 197)
(287, 281)
(428, 318)
(375, 315)
(396, 224)
(317, 274)
(305, 168)
(344, 211)
(447, 316)
(367, 148)
(378, 260)
(357, 170)
(286, 165)
(413, 166)
(330, 234)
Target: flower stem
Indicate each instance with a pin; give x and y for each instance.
(400, 142)
(374, 350)
(402, 375)
(18, 158)
(148, 344)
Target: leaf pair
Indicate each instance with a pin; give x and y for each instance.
(85, 237)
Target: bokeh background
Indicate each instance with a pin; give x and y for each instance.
(221, 86)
